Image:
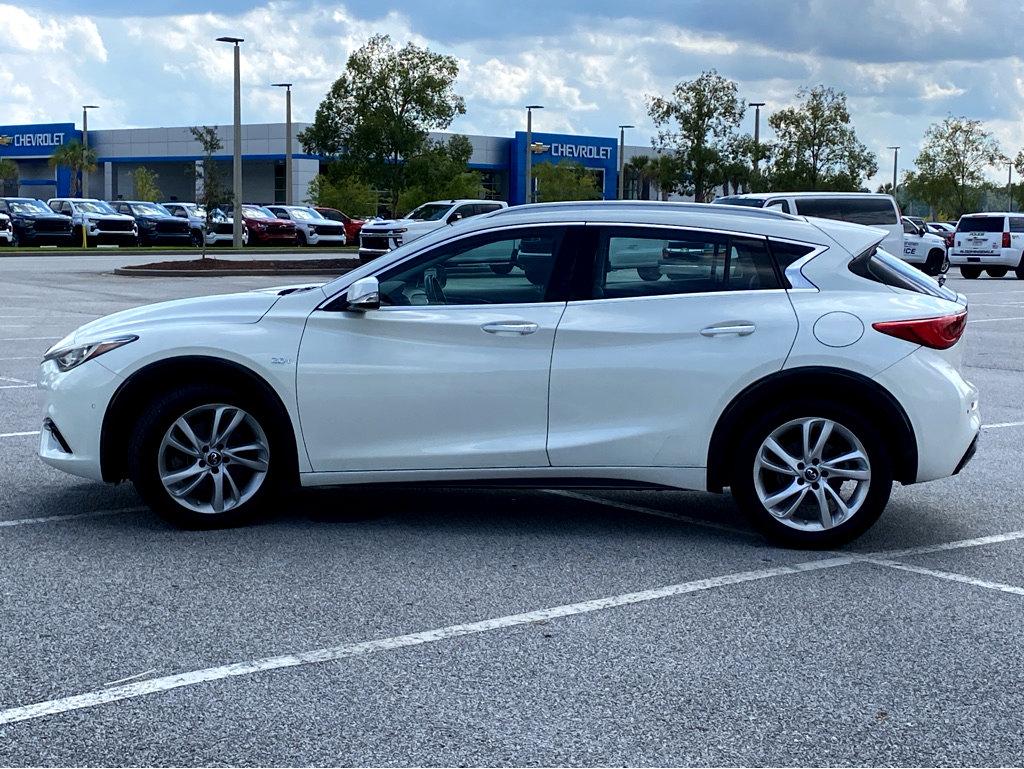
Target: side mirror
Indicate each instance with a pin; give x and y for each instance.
(363, 295)
(454, 218)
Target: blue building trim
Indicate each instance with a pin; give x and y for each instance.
(193, 158)
(598, 152)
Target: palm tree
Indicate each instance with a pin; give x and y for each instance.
(78, 158)
(636, 171)
(664, 172)
(8, 172)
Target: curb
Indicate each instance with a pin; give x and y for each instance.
(136, 273)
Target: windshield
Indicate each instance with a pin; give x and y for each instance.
(93, 207)
(252, 212)
(304, 213)
(149, 209)
(429, 212)
(980, 224)
(736, 201)
(28, 207)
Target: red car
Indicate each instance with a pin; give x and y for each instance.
(264, 228)
(352, 226)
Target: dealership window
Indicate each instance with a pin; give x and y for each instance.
(280, 192)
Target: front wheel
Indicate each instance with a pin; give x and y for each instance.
(815, 475)
(649, 273)
(996, 272)
(938, 263)
(206, 456)
(970, 272)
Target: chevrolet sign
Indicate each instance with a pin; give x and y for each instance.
(35, 141)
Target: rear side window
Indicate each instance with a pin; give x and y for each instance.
(635, 263)
(1016, 224)
(882, 267)
(980, 224)
(869, 211)
(787, 253)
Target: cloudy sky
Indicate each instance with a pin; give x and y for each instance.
(593, 64)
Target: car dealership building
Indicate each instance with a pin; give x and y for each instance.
(173, 154)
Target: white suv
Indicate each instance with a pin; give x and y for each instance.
(6, 230)
(788, 359)
(101, 222)
(993, 242)
(312, 228)
(377, 237)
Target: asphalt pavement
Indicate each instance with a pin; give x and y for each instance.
(417, 626)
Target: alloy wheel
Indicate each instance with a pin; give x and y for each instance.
(214, 458)
(812, 474)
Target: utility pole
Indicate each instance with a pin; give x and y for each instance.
(529, 149)
(1009, 186)
(288, 141)
(622, 157)
(236, 214)
(85, 145)
(757, 134)
(895, 161)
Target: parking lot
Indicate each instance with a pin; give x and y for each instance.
(435, 626)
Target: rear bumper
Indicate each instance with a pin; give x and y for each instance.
(1005, 257)
(942, 407)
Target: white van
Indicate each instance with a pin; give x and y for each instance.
(993, 242)
(872, 209)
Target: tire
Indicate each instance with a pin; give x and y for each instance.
(752, 481)
(501, 269)
(996, 272)
(1019, 270)
(300, 239)
(154, 452)
(970, 272)
(938, 262)
(649, 273)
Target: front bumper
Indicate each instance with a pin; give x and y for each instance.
(265, 238)
(165, 238)
(1005, 257)
(7, 236)
(74, 403)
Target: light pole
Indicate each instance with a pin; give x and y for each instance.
(1009, 186)
(288, 141)
(757, 134)
(85, 144)
(895, 161)
(622, 155)
(236, 193)
(529, 149)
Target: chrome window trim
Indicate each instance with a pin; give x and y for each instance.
(794, 272)
(740, 292)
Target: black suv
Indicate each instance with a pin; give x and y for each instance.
(157, 227)
(34, 222)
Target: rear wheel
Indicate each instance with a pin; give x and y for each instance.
(301, 239)
(812, 475)
(970, 272)
(996, 272)
(501, 269)
(206, 456)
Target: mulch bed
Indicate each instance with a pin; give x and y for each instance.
(291, 265)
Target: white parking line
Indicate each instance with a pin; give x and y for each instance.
(333, 653)
(23, 357)
(16, 387)
(19, 435)
(28, 338)
(947, 575)
(992, 539)
(993, 320)
(14, 379)
(998, 425)
(72, 517)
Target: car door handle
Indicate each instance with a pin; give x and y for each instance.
(510, 328)
(739, 329)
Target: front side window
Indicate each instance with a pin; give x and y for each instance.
(779, 205)
(660, 262)
(429, 212)
(147, 209)
(94, 207)
(510, 267)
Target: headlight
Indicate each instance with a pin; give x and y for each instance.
(397, 231)
(68, 358)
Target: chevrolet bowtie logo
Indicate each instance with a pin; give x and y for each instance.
(5, 140)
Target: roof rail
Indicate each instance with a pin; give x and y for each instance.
(659, 205)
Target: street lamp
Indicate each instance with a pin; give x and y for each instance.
(1009, 186)
(757, 133)
(895, 160)
(529, 149)
(288, 141)
(236, 218)
(85, 144)
(622, 154)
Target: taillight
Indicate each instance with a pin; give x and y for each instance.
(1006, 240)
(938, 333)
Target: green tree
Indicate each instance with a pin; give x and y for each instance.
(565, 180)
(378, 114)
(930, 188)
(77, 157)
(439, 171)
(693, 125)
(211, 190)
(1018, 189)
(954, 157)
(347, 194)
(665, 172)
(8, 173)
(638, 180)
(144, 182)
(816, 147)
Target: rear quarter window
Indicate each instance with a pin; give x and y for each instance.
(882, 267)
